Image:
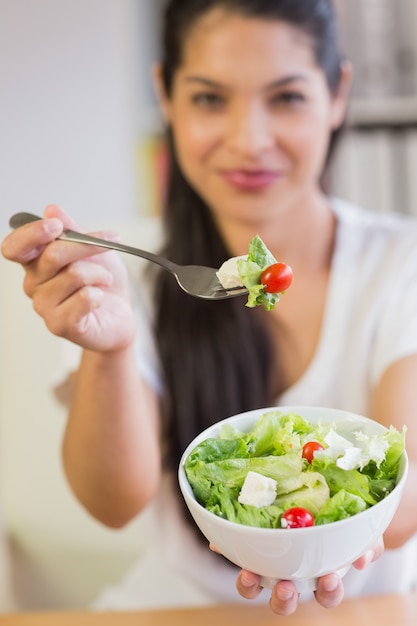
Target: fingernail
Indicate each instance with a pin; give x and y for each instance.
(330, 583)
(285, 594)
(247, 580)
(53, 226)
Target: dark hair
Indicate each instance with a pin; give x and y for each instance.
(216, 356)
(315, 17)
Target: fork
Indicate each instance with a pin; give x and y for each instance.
(196, 280)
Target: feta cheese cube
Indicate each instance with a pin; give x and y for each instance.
(228, 274)
(258, 490)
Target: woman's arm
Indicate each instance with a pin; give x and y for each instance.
(395, 402)
(110, 450)
(111, 445)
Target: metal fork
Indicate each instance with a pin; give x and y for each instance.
(196, 280)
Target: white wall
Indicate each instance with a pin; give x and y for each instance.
(61, 557)
(75, 93)
(73, 84)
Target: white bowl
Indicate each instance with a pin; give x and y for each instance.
(298, 554)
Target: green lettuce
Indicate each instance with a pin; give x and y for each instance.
(351, 481)
(339, 506)
(250, 271)
(217, 468)
(224, 503)
(312, 494)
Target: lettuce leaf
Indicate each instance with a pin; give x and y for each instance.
(216, 469)
(351, 481)
(311, 495)
(203, 477)
(224, 503)
(341, 505)
(250, 270)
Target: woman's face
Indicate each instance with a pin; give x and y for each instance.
(251, 115)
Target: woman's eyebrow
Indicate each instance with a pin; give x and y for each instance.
(281, 82)
(287, 80)
(204, 81)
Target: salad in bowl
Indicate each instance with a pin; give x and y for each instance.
(294, 492)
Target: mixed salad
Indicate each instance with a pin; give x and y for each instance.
(287, 472)
(258, 271)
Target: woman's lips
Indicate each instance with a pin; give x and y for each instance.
(250, 180)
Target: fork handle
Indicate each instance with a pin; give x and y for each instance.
(20, 219)
(76, 237)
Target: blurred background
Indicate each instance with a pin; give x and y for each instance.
(378, 157)
(79, 127)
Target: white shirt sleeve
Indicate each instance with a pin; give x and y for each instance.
(396, 336)
(146, 353)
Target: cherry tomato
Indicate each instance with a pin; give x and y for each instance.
(297, 517)
(309, 449)
(277, 278)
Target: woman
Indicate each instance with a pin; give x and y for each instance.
(253, 93)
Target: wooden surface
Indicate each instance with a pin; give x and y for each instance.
(378, 611)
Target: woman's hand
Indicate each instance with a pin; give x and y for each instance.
(81, 292)
(284, 595)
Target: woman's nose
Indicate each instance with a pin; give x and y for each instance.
(249, 130)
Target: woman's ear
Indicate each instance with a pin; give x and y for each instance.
(341, 96)
(161, 95)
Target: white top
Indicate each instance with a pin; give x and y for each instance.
(370, 321)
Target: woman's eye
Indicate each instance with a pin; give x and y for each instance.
(288, 97)
(210, 100)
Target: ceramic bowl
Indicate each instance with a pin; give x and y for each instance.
(299, 554)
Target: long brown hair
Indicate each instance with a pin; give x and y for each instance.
(216, 356)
